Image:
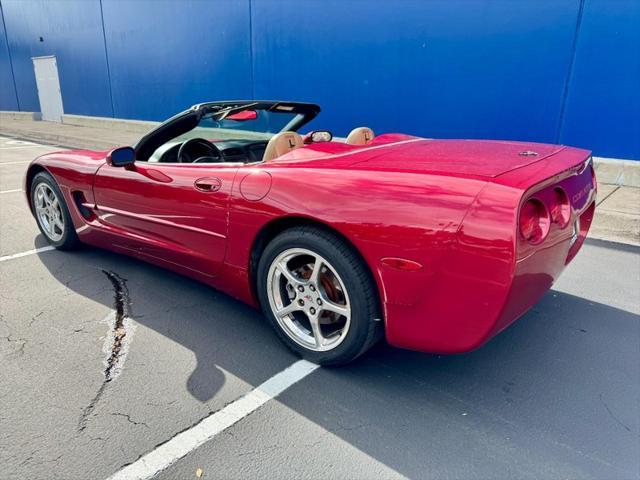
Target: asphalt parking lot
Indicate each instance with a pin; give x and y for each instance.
(557, 395)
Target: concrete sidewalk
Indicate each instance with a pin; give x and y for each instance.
(618, 206)
(77, 131)
(617, 216)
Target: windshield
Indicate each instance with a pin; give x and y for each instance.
(231, 120)
(259, 125)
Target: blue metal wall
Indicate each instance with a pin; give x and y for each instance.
(602, 108)
(546, 70)
(166, 56)
(71, 30)
(8, 98)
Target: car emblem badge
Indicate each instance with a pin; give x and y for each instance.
(528, 153)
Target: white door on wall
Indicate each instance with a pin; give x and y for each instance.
(46, 70)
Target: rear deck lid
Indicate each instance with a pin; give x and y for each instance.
(481, 158)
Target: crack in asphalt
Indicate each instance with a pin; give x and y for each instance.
(188, 427)
(35, 318)
(123, 310)
(18, 343)
(618, 421)
(128, 417)
(115, 343)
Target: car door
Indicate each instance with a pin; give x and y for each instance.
(173, 214)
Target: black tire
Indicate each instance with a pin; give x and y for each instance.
(366, 326)
(69, 239)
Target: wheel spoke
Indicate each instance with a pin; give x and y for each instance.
(292, 307)
(315, 274)
(284, 270)
(330, 306)
(47, 197)
(315, 328)
(58, 223)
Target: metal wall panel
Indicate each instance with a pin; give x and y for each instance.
(603, 102)
(441, 68)
(8, 98)
(167, 56)
(549, 70)
(72, 31)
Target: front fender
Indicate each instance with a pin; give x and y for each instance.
(74, 171)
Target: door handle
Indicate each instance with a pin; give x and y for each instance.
(208, 184)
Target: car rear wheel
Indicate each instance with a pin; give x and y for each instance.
(51, 212)
(319, 296)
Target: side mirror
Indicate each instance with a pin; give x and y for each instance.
(121, 157)
(318, 136)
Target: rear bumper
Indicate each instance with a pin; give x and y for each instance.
(459, 313)
(535, 274)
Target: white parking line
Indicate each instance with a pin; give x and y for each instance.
(166, 454)
(10, 141)
(15, 163)
(11, 147)
(12, 191)
(28, 252)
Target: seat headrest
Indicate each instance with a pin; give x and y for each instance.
(360, 136)
(282, 143)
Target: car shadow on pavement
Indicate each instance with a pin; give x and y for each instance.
(220, 331)
(554, 395)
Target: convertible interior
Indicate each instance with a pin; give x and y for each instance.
(200, 150)
(237, 132)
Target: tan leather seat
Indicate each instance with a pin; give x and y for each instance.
(281, 143)
(360, 136)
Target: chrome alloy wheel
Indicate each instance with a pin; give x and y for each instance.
(49, 212)
(308, 299)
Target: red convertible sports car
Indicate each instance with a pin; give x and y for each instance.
(436, 244)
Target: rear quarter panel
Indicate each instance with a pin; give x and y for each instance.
(412, 216)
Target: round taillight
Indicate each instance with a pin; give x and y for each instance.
(534, 221)
(561, 208)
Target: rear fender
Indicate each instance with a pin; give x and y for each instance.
(408, 215)
(462, 300)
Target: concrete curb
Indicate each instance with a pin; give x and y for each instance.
(616, 227)
(614, 171)
(8, 115)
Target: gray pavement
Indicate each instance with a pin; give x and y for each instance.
(554, 396)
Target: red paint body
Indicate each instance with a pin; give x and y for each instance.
(435, 220)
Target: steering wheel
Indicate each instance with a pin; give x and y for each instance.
(195, 148)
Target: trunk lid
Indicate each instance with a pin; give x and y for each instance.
(478, 158)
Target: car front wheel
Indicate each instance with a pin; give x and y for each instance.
(51, 212)
(319, 296)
